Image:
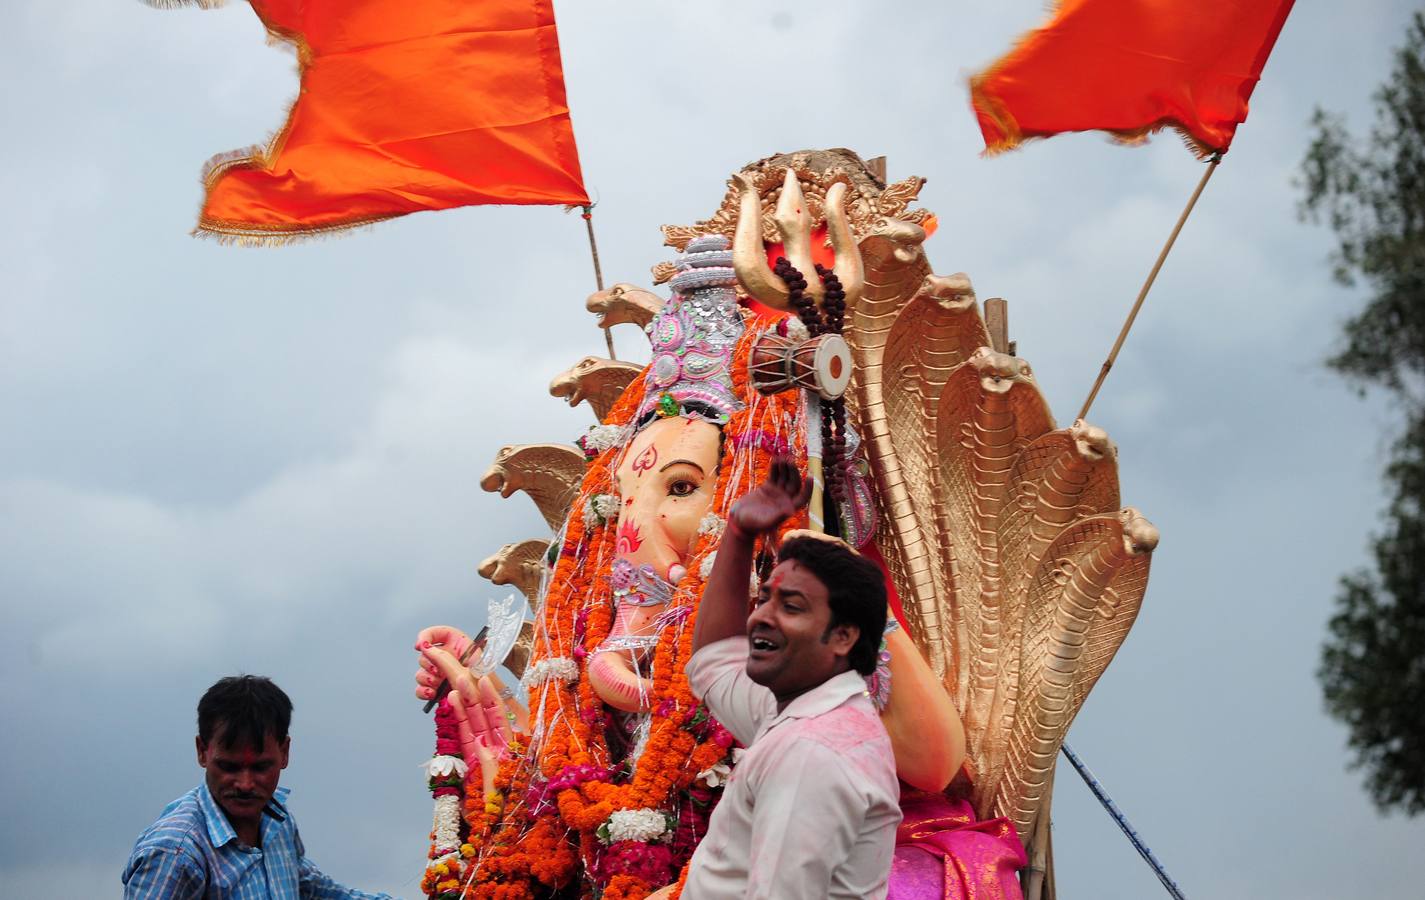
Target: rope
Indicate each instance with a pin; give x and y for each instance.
(1122, 821)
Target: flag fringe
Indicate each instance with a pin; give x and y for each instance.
(258, 156)
(1139, 136)
(248, 234)
(1012, 138)
(981, 103)
(243, 234)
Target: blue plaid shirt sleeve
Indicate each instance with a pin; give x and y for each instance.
(164, 873)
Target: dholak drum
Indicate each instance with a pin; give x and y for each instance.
(821, 364)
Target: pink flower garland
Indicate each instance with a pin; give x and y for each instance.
(447, 743)
(650, 863)
(443, 876)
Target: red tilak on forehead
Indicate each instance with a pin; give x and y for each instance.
(646, 460)
(243, 756)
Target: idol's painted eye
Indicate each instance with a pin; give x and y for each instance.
(682, 487)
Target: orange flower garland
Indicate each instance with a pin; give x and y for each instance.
(537, 842)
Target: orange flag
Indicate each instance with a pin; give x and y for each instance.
(405, 105)
(1131, 67)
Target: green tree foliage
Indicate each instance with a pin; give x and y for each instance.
(1372, 194)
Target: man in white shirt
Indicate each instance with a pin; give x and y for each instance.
(812, 808)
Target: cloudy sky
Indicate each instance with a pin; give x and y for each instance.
(216, 460)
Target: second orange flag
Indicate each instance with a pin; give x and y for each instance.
(1130, 67)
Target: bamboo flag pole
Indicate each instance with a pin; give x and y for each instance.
(1038, 875)
(1147, 285)
(598, 270)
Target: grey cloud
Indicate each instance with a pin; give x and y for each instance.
(214, 459)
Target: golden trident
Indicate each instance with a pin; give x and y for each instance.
(749, 257)
(793, 222)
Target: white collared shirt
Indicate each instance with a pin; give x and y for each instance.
(811, 810)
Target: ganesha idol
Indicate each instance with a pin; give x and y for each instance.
(803, 320)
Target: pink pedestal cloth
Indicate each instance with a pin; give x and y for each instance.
(942, 853)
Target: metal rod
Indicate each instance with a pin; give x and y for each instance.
(1142, 294)
(598, 270)
(1122, 821)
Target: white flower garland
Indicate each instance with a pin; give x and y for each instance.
(561, 668)
(599, 510)
(712, 524)
(447, 824)
(636, 825)
(443, 766)
(601, 437)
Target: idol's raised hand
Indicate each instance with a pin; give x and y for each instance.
(453, 641)
(484, 726)
(772, 502)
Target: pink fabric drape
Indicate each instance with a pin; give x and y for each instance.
(942, 853)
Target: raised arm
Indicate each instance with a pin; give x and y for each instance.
(723, 612)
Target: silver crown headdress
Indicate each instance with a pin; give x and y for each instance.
(693, 338)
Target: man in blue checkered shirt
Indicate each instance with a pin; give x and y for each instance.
(232, 837)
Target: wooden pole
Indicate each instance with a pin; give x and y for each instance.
(1050, 893)
(598, 270)
(1038, 876)
(877, 166)
(1147, 285)
(997, 324)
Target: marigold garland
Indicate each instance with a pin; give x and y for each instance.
(559, 792)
